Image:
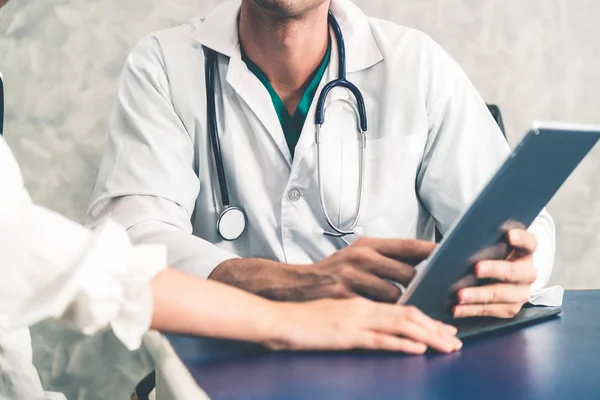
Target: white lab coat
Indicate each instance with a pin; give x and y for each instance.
(432, 145)
(54, 268)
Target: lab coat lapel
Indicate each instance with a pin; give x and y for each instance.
(362, 49)
(219, 31)
(257, 99)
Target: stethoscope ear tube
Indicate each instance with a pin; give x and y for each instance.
(341, 81)
(360, 102)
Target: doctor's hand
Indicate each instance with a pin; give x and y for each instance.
(366, 268)
(511, 281)
(358, 324)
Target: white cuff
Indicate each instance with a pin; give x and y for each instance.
(548, 297)
(115, 286)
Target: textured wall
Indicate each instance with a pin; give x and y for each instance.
(537, 59)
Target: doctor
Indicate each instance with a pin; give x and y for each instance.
(229, 144)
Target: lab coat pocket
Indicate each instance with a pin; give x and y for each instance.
(390, 170)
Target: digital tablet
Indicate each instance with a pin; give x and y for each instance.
(515, 195)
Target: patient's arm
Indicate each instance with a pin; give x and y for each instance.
(191, 305)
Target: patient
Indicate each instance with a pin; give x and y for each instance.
(52, 267)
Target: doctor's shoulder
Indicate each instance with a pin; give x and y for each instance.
(405, 48)
(168, 46)
(397, 40)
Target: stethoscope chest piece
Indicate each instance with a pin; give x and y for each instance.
(231, 223)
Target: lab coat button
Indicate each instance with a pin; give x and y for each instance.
(294, 195)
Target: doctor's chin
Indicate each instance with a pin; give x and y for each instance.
(274, 199)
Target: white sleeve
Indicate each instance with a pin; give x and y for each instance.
(54, 268)
(147, 180)
(464, 149)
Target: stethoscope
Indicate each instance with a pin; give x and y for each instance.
(232, 220)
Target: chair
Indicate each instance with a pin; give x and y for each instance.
(145, 387)
(495, 111)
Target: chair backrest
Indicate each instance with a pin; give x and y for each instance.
(495, 111)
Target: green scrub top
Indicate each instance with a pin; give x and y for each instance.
(292, 125)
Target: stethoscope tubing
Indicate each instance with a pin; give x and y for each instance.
(359, 111)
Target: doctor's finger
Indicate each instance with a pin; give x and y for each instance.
(507, 271)
(408, 250)
(373, 287)
(495, 293)
(496, 310)
(522, 240)
(391, 269)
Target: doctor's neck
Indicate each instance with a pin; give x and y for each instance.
(287, 40)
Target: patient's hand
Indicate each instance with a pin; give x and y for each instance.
(511, 281)
(358, 323)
